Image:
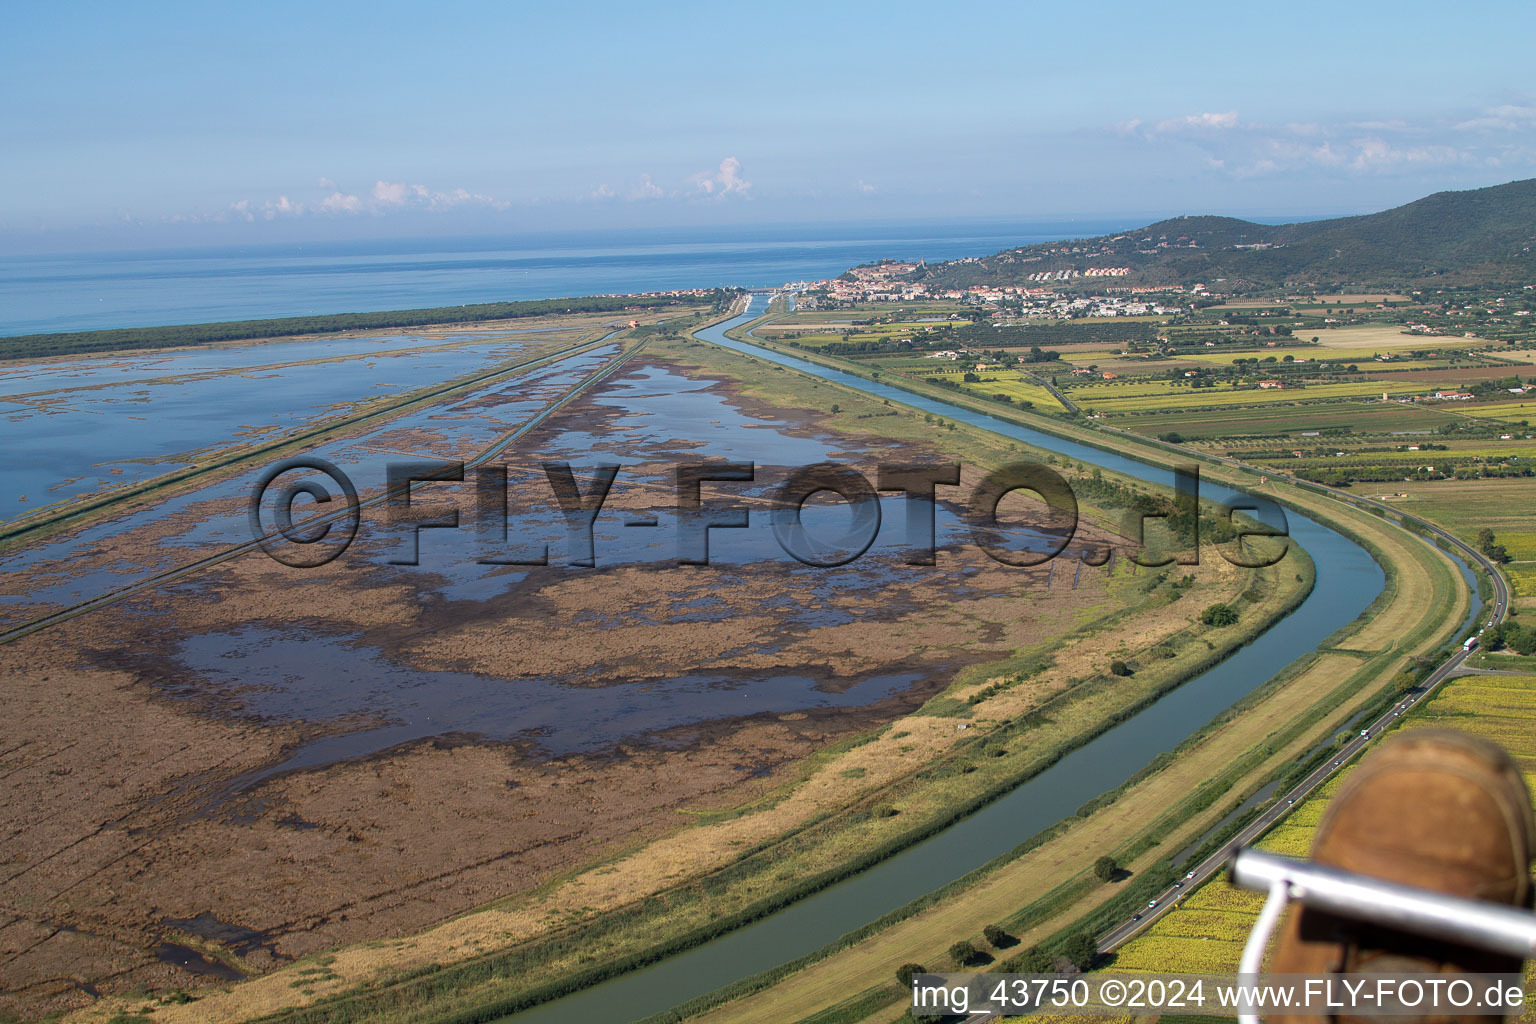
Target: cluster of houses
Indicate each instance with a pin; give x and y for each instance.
(886, 282)
(1067, 275)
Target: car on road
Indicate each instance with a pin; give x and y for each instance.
(1190, 875)
(1151, 904)
(1135, 917)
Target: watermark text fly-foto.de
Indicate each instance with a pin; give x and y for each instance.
(314, 512)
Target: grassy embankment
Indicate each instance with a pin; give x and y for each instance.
(1042, 893)
(869, 795)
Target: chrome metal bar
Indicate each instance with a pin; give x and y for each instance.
(1258, 940)
(1491, 926)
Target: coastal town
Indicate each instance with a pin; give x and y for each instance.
(892, 281)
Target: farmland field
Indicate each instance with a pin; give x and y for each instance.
(1512, 412)
(1382, 337)
(1351, 299)
(1006, 382)
(1439, 373)
(1018, 390)
(1466, 506)
(1282, 420)
(1207, 931)
(1504, 506)
(1142, 397)
(1521, 355)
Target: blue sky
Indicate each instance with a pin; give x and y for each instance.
(175, 123)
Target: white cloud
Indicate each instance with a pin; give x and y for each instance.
(393, 193)
(866, 188)
(723, 182)
(646, 189)
(1220, 143)
(1196, 123)
(339, 202)
(385, 196)
(1377, 154)
(1508, 117)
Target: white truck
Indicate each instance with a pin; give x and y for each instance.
(1470, 644)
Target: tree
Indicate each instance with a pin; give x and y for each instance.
(995, 934)
(962, 953)
(906, 972)
(1034, 961)
(835, 409)
(1119, 668)
(1105, 868)
(1081, 950)
(1218, 614)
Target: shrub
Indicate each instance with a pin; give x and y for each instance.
(1119, 668)
(1219, 614)
(962, 953)
(906, 972)
(1105, 868)
(995, 934)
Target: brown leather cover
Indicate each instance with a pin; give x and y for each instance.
(1430, 808)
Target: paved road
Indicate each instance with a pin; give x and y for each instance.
(1452, 666)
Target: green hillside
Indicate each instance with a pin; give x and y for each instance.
(1481, 236)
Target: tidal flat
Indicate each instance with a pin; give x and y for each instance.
(364, 749)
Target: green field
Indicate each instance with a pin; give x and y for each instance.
(1013, 383)
(1151, 396)
(1282, 420)
(1019, 391)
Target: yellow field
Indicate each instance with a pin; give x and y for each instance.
(1380, 338)
(1004, 382)
(1019, 391)
(1207, 931)
(1512, 412)
(1525, 355)
(1522, 577)
(1521, 546)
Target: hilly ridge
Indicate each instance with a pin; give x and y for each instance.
(1483, 235)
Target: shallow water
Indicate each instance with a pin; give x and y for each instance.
(81, 440)
(290, 675)
(73, 567)
(1347, 581)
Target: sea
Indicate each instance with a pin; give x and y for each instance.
(97, 291)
